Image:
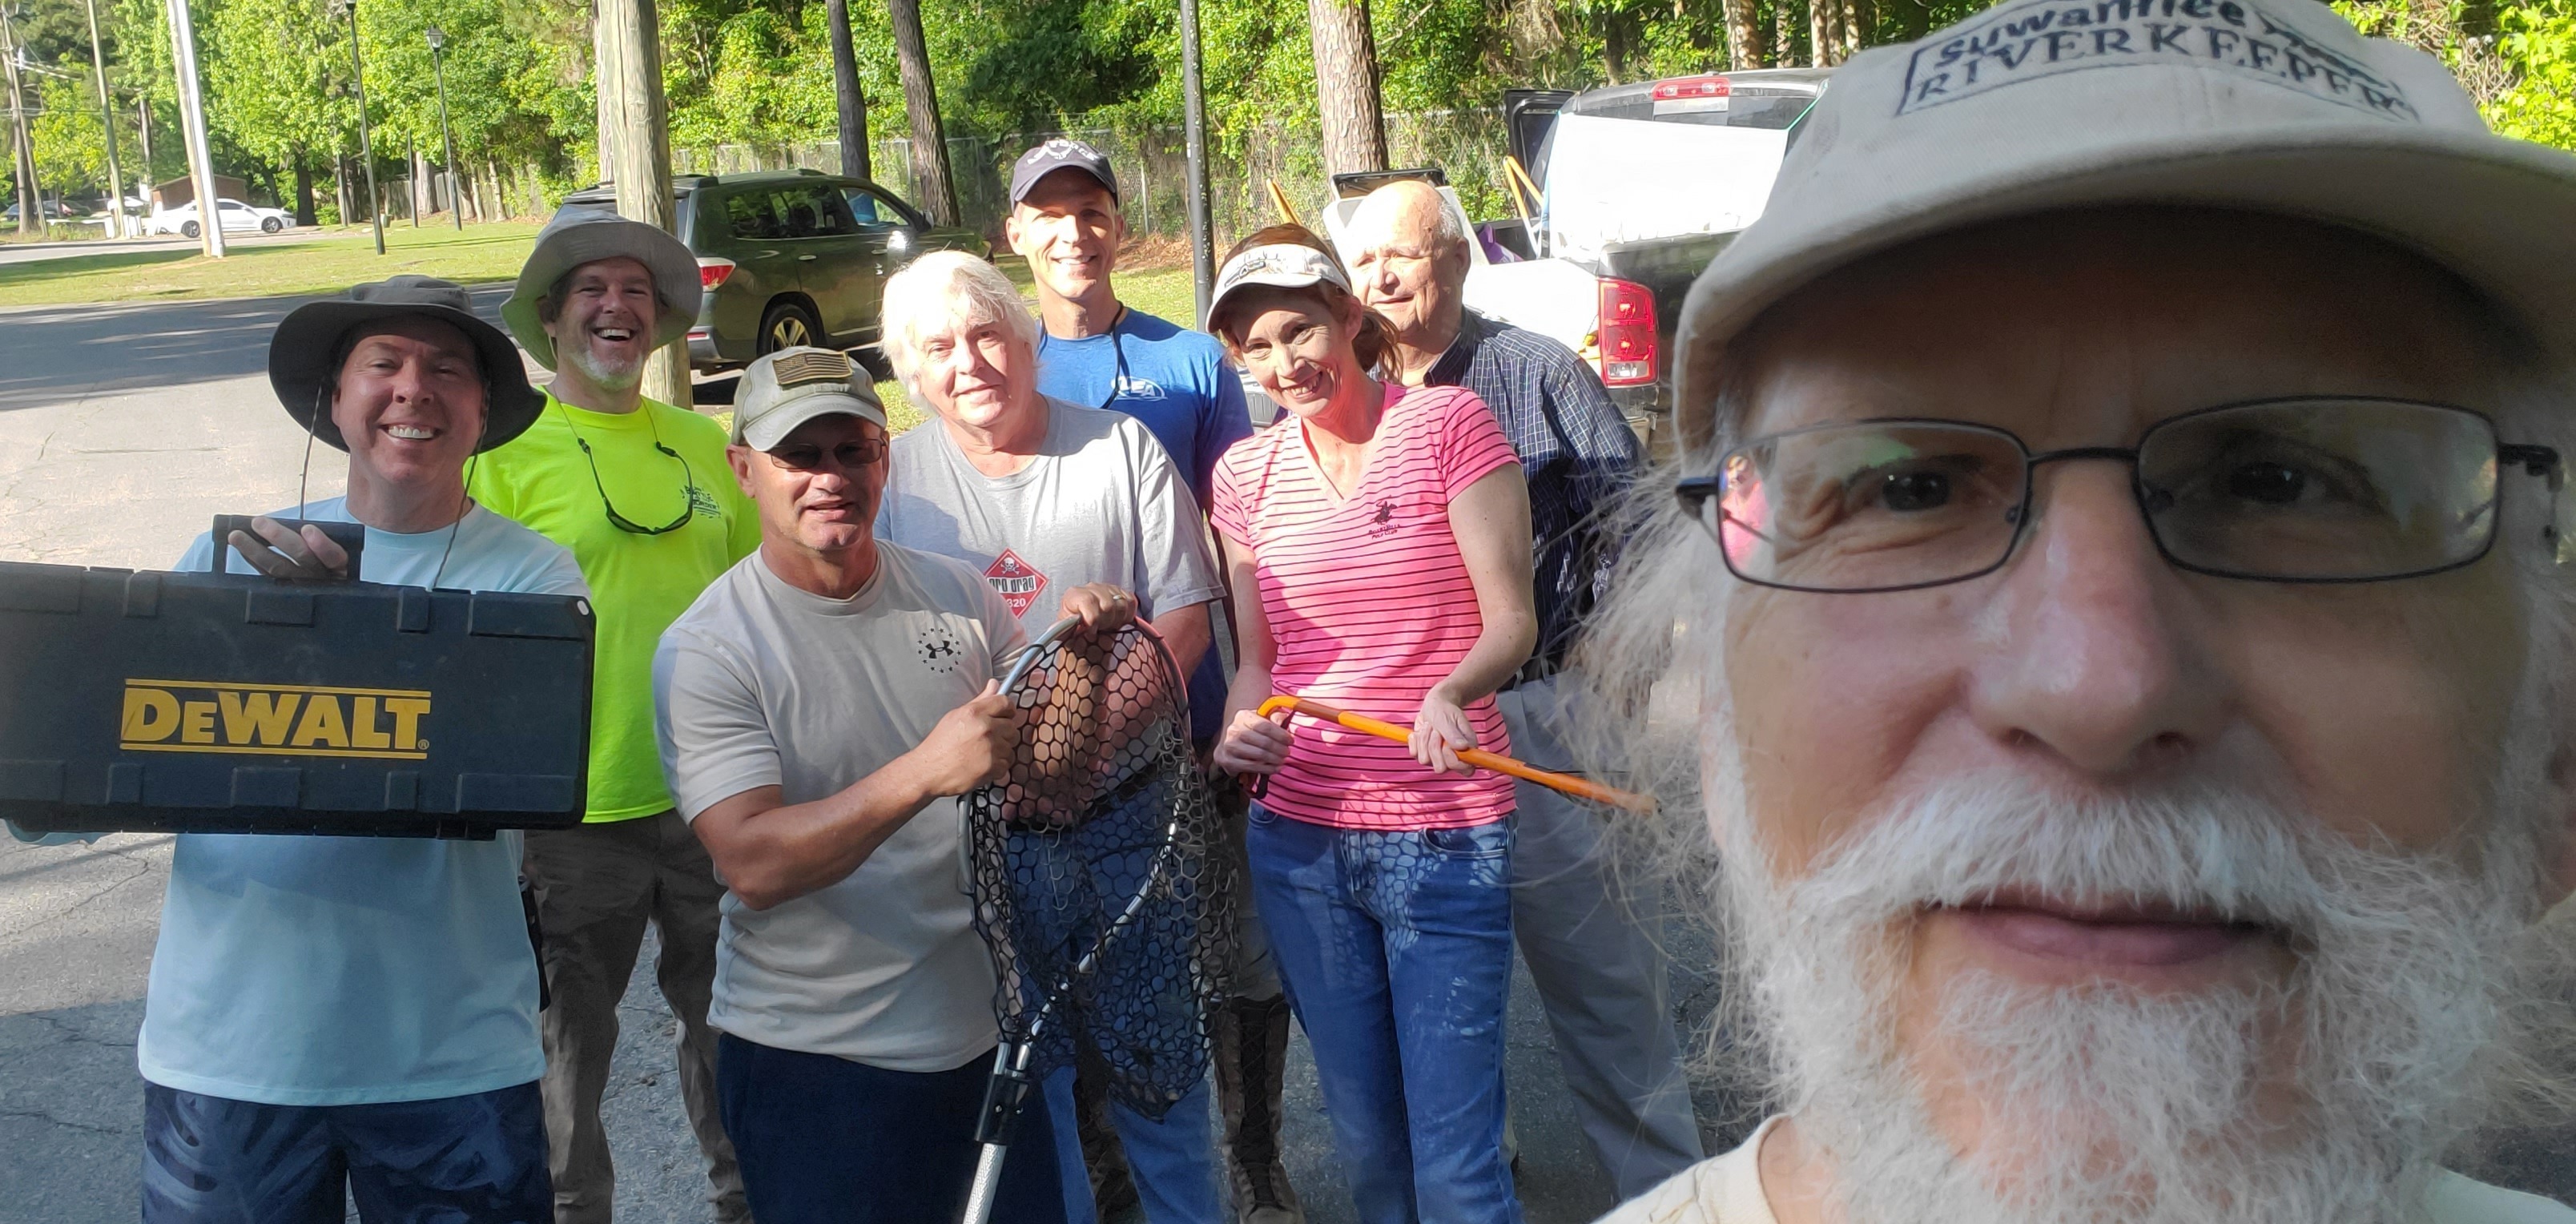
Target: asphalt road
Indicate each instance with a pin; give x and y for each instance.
(122, 430)
(38, 252)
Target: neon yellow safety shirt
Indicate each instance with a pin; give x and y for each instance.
(639, 583)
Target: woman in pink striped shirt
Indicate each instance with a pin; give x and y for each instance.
(1377, 541)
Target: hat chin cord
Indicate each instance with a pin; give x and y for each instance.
(464, 497)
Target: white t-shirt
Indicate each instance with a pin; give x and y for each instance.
(298, 970)
(1728, 1190)
(1100, 502)
(762, 684)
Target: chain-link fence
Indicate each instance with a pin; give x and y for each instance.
(1152, 163)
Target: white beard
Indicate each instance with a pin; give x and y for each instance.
(606, 375)
(2104, 1104)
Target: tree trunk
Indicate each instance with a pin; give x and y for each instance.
(848, 100)
(1744, 40)
(1784, 34)
(340, 189)
(303, 189)
(1346, 80)
(604, 82)
(937, 192)
(640, 139)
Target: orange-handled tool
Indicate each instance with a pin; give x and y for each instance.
(1580, 788)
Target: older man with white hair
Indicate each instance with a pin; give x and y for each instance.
(2128, 624)
(1065, 510)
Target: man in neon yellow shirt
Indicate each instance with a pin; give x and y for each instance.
(641, 493)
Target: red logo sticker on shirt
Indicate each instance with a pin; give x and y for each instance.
(1017, 580)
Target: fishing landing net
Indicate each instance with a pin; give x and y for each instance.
(1101, 881)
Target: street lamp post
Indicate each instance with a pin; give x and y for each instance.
(446, 135)
(366, 142)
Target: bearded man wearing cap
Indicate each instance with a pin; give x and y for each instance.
(821, 707)
(637, 490)
(1097, 351)
(338, 1014)
(2124, 630)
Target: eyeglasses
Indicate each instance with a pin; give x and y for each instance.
(2344, 489)
(849, 456)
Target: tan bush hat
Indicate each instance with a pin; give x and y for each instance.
(580, 235)
(2276, 106)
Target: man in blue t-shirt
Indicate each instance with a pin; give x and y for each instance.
(1098, 352)
(338, 1014)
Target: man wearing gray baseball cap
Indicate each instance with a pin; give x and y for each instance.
(2124, 632)
(821, 707)
(637, 490)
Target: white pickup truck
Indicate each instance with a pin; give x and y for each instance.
(1640, 185)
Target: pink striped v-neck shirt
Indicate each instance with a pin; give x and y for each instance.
(1370, 605)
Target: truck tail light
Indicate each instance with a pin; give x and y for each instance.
(712, 271)
(1679, 89)
(1627, 333)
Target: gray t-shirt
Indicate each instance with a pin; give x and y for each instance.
(1100, 502)
(761, 684)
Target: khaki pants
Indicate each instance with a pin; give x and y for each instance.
(596, 887)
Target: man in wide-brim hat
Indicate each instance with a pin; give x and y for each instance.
(639, 491)
(2123, 604)
(338, 1014)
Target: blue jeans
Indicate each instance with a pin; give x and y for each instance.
(1173, 1161)
(478, 1159)
(1397, 952)
(825, 1140)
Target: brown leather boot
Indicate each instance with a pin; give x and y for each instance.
(1251, 1067)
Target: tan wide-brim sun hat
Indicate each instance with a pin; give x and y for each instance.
(577, 236)
(2274, 106)
(305, 351)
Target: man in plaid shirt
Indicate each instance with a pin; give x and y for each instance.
(1598, 965)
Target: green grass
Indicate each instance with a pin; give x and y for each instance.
(327, 263)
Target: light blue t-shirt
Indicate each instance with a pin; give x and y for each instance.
(1177, 382)
(298, 970)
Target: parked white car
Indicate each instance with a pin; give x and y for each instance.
(237, 217)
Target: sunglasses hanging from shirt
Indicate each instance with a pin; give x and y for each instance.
(688, 481)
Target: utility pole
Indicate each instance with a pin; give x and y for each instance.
(22, 151)
(192, 125)
(446, 135)
(1194, 139)
(366, 142)
(640, 145)
(107, 120)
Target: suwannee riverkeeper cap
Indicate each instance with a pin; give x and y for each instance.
(2273, 106)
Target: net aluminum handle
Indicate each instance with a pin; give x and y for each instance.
(1029, 657)
(1580, 788)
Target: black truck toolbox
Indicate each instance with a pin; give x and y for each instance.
(216, 703)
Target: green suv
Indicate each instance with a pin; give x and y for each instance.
(791, 257)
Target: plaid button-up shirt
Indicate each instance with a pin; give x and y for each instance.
(1574, 447)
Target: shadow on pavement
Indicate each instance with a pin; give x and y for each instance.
(59, 353)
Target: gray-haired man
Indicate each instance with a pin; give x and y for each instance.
(2119, 553)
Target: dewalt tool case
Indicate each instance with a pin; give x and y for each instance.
(218, 703)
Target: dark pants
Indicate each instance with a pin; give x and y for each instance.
(478, 1159)
(825, 1140)
(597, 885)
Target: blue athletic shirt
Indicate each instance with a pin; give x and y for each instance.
(299, 970)
(1177, 382)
